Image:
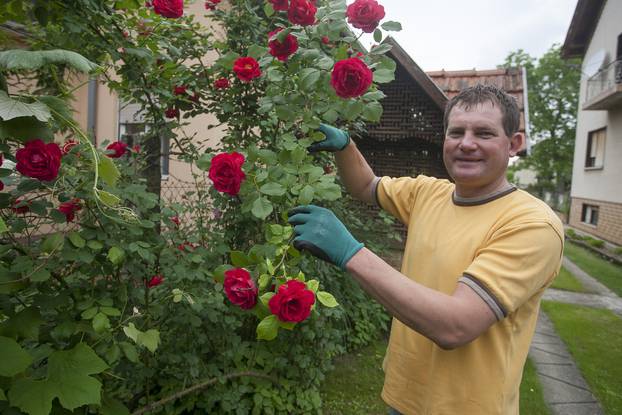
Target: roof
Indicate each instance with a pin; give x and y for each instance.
(584, 21)
(418, 75)
(509, 79)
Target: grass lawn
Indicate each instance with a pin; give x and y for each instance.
(605, 272)
(566, 281)
(594, 339)
(354, 386)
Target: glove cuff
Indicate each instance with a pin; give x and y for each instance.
(349, 254)
(347, 139)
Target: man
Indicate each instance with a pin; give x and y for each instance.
(478, 257)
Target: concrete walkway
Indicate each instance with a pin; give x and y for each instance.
(565, 390)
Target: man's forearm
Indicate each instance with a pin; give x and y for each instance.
(448, 320)
(357, 176)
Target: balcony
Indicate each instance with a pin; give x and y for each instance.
(604, 90)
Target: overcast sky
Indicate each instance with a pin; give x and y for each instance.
(467, 34)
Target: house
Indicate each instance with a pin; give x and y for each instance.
(595, 34)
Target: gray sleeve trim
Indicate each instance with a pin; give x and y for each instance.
(374, 189)
(485, 295)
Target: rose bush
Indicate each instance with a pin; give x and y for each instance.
(87, 290)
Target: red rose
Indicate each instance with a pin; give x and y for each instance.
(175, 220)
(119, 148)
(180, 90)
(69, 209)
(246, 68)
(240, 288)
(169, 8)
(365, 14)
(1, 185)
(301, 12)
(226, 172)
(39, 160)
(69, 144)
(171, 113)
(325, 40)
(292, 302)
(279, 4)
(20, 206)
(155, 281)
(351, 78)
(221, 83)
(136, 148)
(279, 50)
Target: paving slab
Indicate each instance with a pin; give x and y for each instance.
(565, 391)
(589, 300)
(589, 282)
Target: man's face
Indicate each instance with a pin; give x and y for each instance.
(476, 149)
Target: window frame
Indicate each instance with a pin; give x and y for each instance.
(599, 153)
(592, 211)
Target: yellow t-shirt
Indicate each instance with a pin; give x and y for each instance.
(508, 249)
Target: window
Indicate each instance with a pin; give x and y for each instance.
(595, 153)
(589, 214)
(132, 129)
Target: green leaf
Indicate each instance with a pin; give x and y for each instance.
(150, 339)
(327, 299)
(372, 111)
(306, 195)
(256, 51)
(226, 61)
(268, 328)
(219, 272)
(76, 240)
(40, 275)
(100, 322)
(68, 371)
(20, 59)
(268, 9)
(287, 325)
(240, 259)
(265, 298)
(129, 350)
(272, 189)
(58, 108)
(116, 255)
(3, 227)
(53, 243)
(24, 324)
(309, 77)
(264, 280)
(2, 395)
(132, 332)
(14, 359)
(108, 171)
(107, 198)
(313, 285)
(378, 35)
(383, 76)
(391, 26)
(110, 311)
(11, 108)
(89, 313)
(25, 128)
(33, 396)
(95, 245)
(261, 208)
(353, 109)
(380, 49)
(113, 407)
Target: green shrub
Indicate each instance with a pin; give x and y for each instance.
(596, 243)
(570, 233)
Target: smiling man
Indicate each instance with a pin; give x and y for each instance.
(478, 257)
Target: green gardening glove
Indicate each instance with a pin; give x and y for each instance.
(320, 232)
(336, 140)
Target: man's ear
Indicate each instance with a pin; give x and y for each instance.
(517, 142)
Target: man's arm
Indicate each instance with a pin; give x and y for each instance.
(358, 178)
(450, 321)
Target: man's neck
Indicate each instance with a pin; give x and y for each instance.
(462, 192)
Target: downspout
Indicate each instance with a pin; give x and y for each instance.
(526, 113)
(91, 115)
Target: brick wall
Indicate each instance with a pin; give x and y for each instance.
(609, 226)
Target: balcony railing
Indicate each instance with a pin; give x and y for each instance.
(604, 89)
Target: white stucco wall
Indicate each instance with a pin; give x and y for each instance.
(606, 183)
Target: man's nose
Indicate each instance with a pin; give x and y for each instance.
(467, 142)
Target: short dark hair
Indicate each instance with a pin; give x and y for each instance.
(480, 93)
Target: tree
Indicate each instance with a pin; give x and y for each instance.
(553, 93)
